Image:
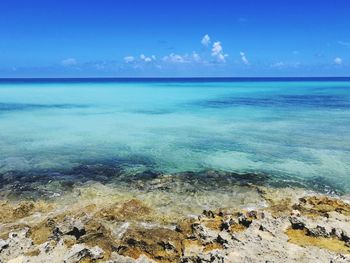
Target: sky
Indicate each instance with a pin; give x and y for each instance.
(182, 38)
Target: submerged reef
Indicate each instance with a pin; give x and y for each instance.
(143, 174)
(293, 225)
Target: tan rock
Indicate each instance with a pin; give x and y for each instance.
(321, 205)
(161, 244)
(130, 210)
(19, 259)
(300, 237)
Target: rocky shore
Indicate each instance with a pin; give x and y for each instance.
(294, 226)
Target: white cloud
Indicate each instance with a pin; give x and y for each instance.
(69, 62)
(205, 40)
(174, 58)
(145, 58)
(140, 61)
(338, 61)
(129, 59)
(218, 52)
(278, 64)
(217, 49)
(196, 57)
(244, 58)
(187, 58)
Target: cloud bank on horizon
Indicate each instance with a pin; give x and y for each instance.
(207, 57)
(174, 38)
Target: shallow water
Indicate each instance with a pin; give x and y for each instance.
(296, 132)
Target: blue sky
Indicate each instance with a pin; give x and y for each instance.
(140, 38)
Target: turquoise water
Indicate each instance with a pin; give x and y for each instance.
(292, 130)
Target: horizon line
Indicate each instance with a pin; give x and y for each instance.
(165, 79)
(221, 77)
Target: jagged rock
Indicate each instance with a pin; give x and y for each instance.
(202, 233)
(159, 244)
(116, 258)
(345, 237)
(79, 252)
(72, 226)
(15, 246)
(224, 239)
(97, 234)
(128, 232)
(212, 257)
(297, 222)
(245, 221)
(11, 212)
(322, 205)
(43, 231)
(295, 213)
(3, 245)
(318, 231)
(209, 213)
(130, 210)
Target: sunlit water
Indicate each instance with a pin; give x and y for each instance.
(291, 130)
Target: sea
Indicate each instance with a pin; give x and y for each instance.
(210, 132)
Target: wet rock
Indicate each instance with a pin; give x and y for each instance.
(162, 182)
(98, 171)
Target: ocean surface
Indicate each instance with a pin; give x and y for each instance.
(288, 131)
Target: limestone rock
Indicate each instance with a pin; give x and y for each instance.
(79, 252)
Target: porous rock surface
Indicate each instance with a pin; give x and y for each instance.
(309, 229)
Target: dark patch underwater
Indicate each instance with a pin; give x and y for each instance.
(28, 106)
(283, 101)
(46, 184)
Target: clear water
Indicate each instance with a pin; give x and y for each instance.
(289, 129)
